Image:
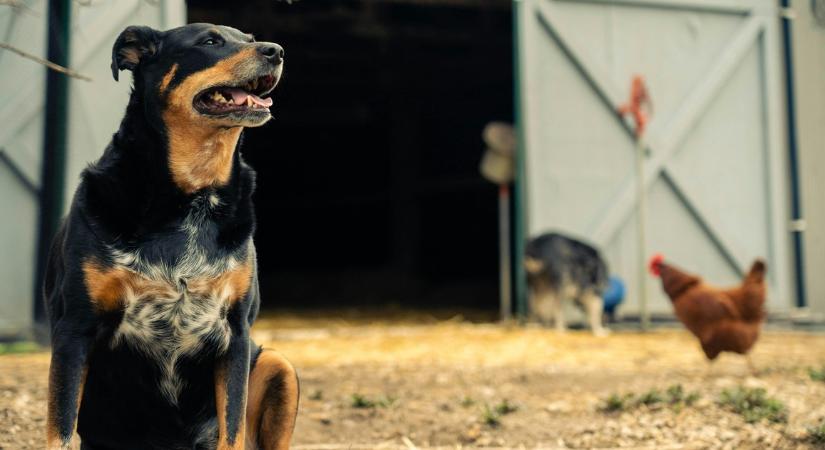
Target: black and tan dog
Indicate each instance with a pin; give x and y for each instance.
(152, 283)
(561, 268)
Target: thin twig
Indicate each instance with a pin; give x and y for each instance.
(18, 5)
(47, 63)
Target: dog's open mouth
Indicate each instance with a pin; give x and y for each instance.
(250, 96)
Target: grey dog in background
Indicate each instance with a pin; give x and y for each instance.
(560, 268)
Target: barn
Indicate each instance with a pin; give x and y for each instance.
(369, 193)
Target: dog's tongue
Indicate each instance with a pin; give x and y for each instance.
(239, 96)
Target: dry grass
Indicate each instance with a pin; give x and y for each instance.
(421, 382)
(325, 342)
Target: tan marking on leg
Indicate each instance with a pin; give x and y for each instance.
(53, 439)
(273, 402)
(221, 399)
(557, 306)
(594, 306)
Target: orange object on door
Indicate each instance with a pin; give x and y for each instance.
(638, 105)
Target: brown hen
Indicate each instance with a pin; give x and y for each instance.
(724, 320)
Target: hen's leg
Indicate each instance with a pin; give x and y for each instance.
(751, 366)
(710, 373)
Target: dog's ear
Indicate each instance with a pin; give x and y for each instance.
(133, 46)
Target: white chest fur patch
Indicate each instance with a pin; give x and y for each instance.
(173, 310)
(169, 326)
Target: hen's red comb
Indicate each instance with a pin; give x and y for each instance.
(655, 264)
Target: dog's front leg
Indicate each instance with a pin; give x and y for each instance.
(231, 374)
(67, 375)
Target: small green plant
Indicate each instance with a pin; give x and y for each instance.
(675, 393)
(615, 402)
(754, 405)
(386, 401)
(817, 374)
(505, 407)
(361, 401)
(467, 402)
(692, 398)
(651, 398)
(490, 417)
(674, 396)
(317, 394)
(677, 398)
(816, 434)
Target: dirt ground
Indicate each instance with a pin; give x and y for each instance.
(425, 383)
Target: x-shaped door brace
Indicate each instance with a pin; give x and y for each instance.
(664, 139)
(26, 104)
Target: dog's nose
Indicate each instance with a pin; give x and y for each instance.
(273, 52)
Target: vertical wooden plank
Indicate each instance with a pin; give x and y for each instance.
(521, 14)
(774, 128)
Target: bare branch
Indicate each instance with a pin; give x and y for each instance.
(47, 63)
(18, 5)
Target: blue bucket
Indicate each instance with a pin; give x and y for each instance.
(613, 295)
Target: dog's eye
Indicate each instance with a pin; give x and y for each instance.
(210, 41)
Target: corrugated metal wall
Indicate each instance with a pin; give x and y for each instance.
(716, 173)
(95, 110)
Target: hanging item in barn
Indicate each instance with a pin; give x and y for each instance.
(497, 165)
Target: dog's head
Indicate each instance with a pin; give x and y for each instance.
(201, 74)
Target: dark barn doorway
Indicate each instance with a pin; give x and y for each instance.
(368, 186)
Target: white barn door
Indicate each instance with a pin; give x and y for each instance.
(95, 109)
(715, 174)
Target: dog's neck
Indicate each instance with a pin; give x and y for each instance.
(137, 182)
(192, 156)
(200, 157)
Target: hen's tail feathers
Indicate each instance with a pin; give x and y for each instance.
(757, 272)
(655, 264)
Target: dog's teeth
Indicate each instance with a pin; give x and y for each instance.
(249, 101)
(255, 83)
